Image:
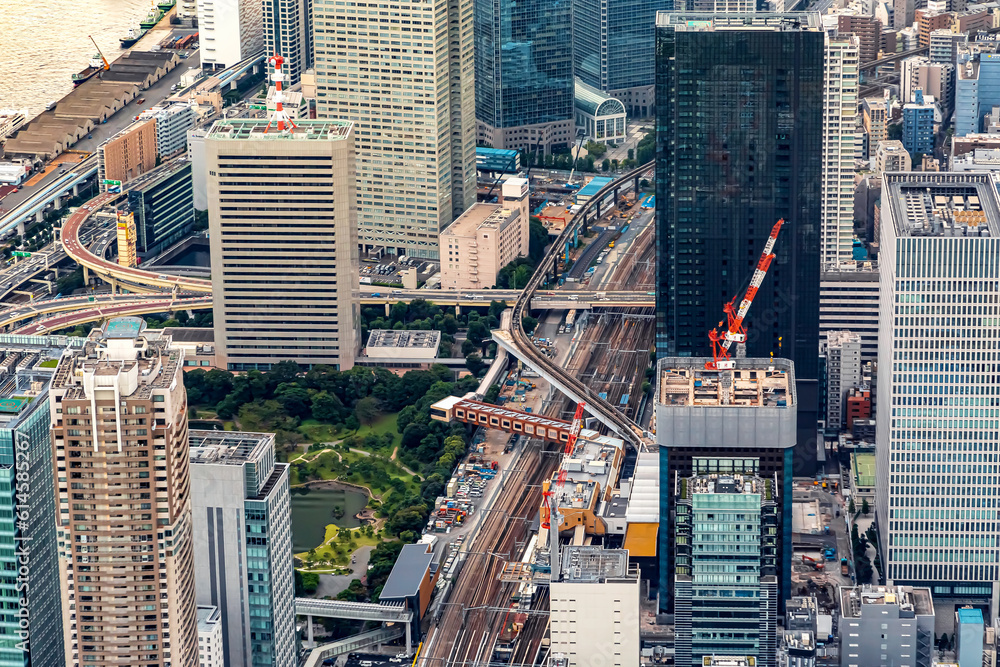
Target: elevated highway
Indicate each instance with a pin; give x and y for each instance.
(35, 205)
(111, 272)
(516, 341)
(121, 308)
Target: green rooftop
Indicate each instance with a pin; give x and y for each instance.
(864, 469)
(243, 129)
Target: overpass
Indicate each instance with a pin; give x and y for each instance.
(35, 205)
(517, 342)
(111, 272)
(547, 300)
(355, 611)
(318, 655)
(93, 313)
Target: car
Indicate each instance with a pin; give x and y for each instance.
(141, 100)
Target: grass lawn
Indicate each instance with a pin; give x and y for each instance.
(49, 363)
(384, 424)
(316, 431)
(326, 552)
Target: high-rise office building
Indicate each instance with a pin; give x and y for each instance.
(524, 74)
(229, 31)
(739, 145)
(892, 621)
(977, 86)
(31, 627)
(284, 253)
(243, 544)
(739, 421)
(727, 529)
(288, 33)
(918, 125)
(119, 430)
(840, 111)
(842, 350)
(936, 415)
(866, 28)
(415, 141)
(848, 299)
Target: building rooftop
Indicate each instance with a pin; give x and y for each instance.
(242, 129)
(969, 615)
(725, 484)
(404, 339)
(594, 564)
(208, 617)
(411, 567)
(593, 186)
(729, 661)
(228, 447)
(942, 204)
(190, 334)
(802, 640)
(909, 600)
(592, 467)
(481, 216)
(753, 383)
(123, 327)
(644, 497)
(595, 102)
(711, 22)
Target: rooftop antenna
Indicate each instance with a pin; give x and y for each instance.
(278, 117)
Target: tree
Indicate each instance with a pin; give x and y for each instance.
(492, 394)
(631, 154)
(538, 238)
(850, 506)
(367, 410)
(864, 506)
(522, 275)
(326, 407)
(529, 323)
(475, 364)
(310, 582)
(352, 423)
(606, 165)
(645, 387)
(294, 399)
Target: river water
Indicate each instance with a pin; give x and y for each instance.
(44, 42)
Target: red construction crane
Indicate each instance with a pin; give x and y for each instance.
(574, 429)
(722, 337)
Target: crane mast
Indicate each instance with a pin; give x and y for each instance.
(722, 337)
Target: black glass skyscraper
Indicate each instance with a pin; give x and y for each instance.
(524, 62)
(739, 101)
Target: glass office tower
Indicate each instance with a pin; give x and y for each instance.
(524, 69)
(739, 101)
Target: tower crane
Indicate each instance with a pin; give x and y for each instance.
(574, 429)
(723, 337)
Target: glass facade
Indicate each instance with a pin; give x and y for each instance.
(739, 145)
(524, 62)
(28, 542)
(164, 210)
(613, 42)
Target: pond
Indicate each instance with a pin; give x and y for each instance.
(312, 510)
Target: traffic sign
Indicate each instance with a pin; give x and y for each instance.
(20, 253)
(107, 182)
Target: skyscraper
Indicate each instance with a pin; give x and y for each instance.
(840, 111)
(119, 429)
(739, 103)
(229, 31)
(727, 557)
(243, 544)
(415, 141)
(729, 422)
(937, 411)
(284, 257)
(524, 74)
(288, 32)
(31, 627)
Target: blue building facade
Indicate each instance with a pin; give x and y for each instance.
(977, 88)
(164, 207)
(524, 62)
(918, 126)
(31, 627)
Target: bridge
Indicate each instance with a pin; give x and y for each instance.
(516, 341)
(351, 644)
(121, 308)
(355, 611)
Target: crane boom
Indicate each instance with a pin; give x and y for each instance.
(723, 338)
(574, 429)
(107, 65)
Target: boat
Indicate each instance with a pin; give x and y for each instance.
(166, 5)
(96, 65)
(131, 37)
(152, 18)
(11, 121)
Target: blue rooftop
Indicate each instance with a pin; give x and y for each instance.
(595, 185)
(124, 327)
(970, 616)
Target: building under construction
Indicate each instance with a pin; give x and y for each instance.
(734, 421)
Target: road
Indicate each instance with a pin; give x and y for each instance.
(146, 306)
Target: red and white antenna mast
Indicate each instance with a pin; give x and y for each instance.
(278, 116)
